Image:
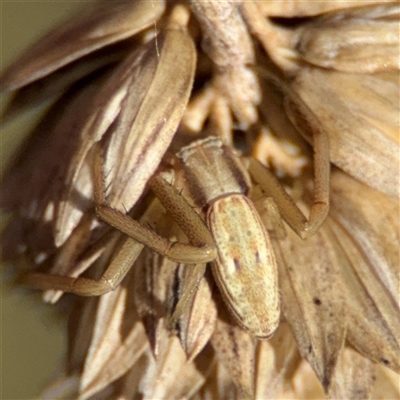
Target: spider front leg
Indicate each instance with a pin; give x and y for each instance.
(112, 277)
(286, 206)
(201, 250)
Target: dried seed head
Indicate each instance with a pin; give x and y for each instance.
(362, 40)
(270, 79)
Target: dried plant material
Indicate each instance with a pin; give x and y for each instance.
(312, 300)
(111, 353)
(374, 97)
(138, 124)
(376, 334)
(281, 153)
(235, 349)
(353, 39)
(354, 377)
(277, 360)
(62, 140)
(198, 110)
(121, 360)
(80, 330)
(369, 268)
(59, 81)
(170, 376)
(300, 8)
(166, 330)
(154, 278)
(305, 384)
(197, 323)
(131, 381)
(104, 341)
(35, 157)
(69, 210)
(280, 126)
(375, 225)
(145, 129)
(219, 387)
(153, 281)
(378, 274)
(227, 43)
(87, 31)
(356, 144)
(387, 385)
(360, 40)
(276, 41)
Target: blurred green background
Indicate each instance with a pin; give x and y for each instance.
(32, 337)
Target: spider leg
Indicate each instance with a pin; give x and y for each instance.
(287, 207)
(201, 249)
(115, 273)
(270, 217)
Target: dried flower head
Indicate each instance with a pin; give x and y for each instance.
(136, 83)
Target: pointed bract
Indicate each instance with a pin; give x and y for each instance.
(86, 31)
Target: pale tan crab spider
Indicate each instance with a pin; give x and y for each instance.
(226, 230)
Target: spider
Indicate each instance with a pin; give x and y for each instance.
(226, 229)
